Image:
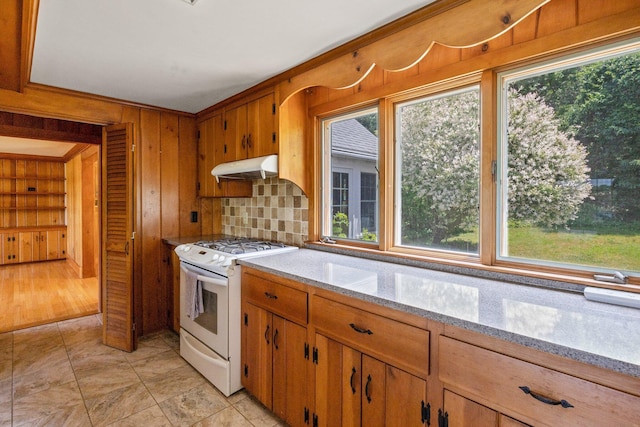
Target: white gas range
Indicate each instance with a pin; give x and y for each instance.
(210, 315)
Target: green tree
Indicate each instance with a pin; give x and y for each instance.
(599, 104)
(440, 170)
(547, 169)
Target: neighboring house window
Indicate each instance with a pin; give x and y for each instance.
(340, 202)
(369, 204)
(350, 178)
(569, 166)
(437, 173)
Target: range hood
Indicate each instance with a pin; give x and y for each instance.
(256, 168)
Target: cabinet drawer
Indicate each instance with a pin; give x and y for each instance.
(395, 342)
(497, 380)
(282, 300)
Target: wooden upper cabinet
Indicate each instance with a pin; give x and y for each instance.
(213, 150)
(251, 129)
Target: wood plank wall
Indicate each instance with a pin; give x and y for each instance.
(166, 175)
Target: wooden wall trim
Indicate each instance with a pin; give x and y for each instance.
(405, 48)
(29, 24)
(31, 127)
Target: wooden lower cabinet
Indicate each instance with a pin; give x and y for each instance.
(34, 245)
(354, 389)
(537, 395)
(462, 412)
(274, 363)
(366, 365)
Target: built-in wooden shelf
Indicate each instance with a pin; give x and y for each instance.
(32, 194)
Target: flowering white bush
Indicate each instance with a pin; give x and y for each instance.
(547, 169)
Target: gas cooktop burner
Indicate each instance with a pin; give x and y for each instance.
(239, 245)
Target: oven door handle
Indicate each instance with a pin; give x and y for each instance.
(205, 279)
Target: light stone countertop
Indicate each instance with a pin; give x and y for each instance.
(558, 322)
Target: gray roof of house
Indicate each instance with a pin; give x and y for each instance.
(350, 138)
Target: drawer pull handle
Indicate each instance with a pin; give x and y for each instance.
(360, 330)
(544, 399)
(352, 380)
(270, 295)
(367, 392)
(275, 339)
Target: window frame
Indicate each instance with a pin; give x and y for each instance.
(487, 259)
(325, 206)
(502, 79)
(438, 92)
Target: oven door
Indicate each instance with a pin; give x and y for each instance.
(212, 326)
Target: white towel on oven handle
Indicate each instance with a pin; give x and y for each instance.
(195, 305)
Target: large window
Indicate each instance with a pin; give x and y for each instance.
(553, 187)
(437, 173)
(350, 170)
(570, 162)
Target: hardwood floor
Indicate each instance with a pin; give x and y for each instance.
(43, 292)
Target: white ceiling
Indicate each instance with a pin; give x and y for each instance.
(34, 147)
(168, 53)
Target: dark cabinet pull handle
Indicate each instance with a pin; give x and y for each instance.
(244, 143)
(275, 338)
(249, 141)
(266, 334)
(367, 392)
(352, 380)
(270, 295)
(360, 330)
(545, 399)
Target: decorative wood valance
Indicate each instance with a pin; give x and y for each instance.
(470, 24)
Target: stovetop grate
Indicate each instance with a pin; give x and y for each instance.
(240, 245)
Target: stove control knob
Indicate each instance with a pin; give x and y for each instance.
(215, 257)
(221, 260)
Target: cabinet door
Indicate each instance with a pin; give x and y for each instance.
(53, 244)
(41, 246)
(289, 371)
(374, 392)
(332, 399)
(354, 389)
(462, 412)
(10, 246)
(256, 353)
(261, 127)
(406, 395)
(510, 422)
(235, 133)
(27, 246)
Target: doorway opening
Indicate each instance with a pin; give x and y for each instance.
(49, 220)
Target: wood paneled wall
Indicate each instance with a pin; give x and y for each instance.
(166, 174)
(82, 232)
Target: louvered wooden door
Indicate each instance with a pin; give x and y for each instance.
(117, 229)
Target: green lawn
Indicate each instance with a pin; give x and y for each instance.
(612, 248)
(620, 250)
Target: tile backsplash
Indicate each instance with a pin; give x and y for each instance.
(277, 211)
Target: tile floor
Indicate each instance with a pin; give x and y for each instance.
(61, 375)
